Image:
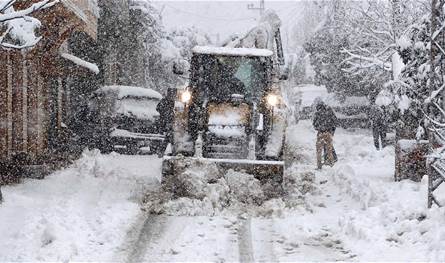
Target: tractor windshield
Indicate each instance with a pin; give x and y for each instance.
(225, 76)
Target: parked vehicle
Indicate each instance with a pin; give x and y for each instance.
(351, 111)
(124, 119)
(304, 95)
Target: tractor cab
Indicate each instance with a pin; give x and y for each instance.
(223, 77)
(230, 102)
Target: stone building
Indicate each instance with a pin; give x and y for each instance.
(36, 85)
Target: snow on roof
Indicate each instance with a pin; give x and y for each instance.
(80, 62)
(225, 51)
(130, 91)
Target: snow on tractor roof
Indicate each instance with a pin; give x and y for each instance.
(130, 91)
(225, 51)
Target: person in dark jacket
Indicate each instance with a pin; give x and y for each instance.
(325, 123)
(378, 124)
(166, 111)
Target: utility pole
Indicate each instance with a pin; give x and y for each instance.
(260, 8)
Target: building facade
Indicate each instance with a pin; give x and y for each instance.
(36, 84)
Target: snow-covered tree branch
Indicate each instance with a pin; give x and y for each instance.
(17, 27)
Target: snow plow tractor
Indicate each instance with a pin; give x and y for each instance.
(231, 115)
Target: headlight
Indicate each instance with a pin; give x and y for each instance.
(272, 100)
(186, 96)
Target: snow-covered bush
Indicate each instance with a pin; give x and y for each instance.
(17, 27)
(358, 43)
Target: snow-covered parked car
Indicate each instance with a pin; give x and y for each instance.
(351, 111)
(304, 96)
(125, 119)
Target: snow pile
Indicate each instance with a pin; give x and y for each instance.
(357, 187)
(203, 190)
(360, 204)
(299, 179)
(390, 215)
(194, 180)
(244, 187)
(80, 213)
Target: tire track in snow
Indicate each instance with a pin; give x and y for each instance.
(151, 229)
(245, 247)
(264, 239)
(270, 241)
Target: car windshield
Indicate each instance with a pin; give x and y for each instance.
(224, 76)
(139, 108)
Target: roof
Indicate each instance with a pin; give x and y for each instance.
(225, 51)
(130, 91)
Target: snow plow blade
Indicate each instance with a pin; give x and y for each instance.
(265, 171)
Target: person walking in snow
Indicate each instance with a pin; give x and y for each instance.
(325, 123)
(378, 124)
(166, 111)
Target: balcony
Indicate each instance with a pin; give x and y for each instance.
(84, 12)
(87, 11)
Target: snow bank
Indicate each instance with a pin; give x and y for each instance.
(391, 215)
(80, 213)
(358, 202)
(394, 215)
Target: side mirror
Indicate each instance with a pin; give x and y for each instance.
(180, 67)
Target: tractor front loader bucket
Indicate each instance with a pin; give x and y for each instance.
(264, 171)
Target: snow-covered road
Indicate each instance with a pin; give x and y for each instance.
(353, 211)
(81, 213)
